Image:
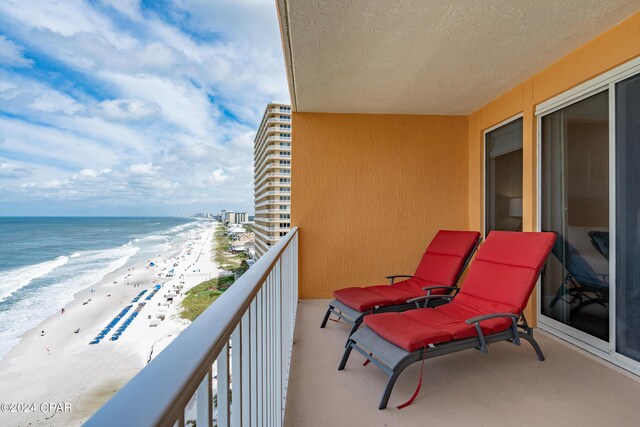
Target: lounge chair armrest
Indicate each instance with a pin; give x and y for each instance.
(426, 299)
(395, 276)
(431, 288)
(483, 317)
(476, 322)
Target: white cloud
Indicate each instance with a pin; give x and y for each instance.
(127, 109)
(14, 170)
(218, 177)
(11, 54)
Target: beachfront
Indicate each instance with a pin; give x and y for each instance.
(61, 366)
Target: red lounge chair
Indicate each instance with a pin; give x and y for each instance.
(486, 310)
(437, 274)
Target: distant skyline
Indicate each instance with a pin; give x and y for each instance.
(128, 107)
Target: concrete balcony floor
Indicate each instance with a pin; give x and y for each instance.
(508, 386)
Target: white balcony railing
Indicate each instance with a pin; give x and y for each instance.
(279, 138)
(270, 184)
(244, 340)
(279, 111)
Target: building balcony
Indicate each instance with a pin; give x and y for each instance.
(279, 120)
(276, 175)
(274, 229)
(262, 149)
(271, 161)
(278, 111)
(279, 138)
(273, 202)
(259, 197)
(271, 129)
(267, 166)
(271, 183)
(261, 212)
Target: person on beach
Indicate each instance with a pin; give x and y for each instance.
(62, 311)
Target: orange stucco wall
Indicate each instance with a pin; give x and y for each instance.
(612, 48)
(370, 191)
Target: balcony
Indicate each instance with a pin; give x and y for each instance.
(271, 183)
(279, 111)
(244, 341)
(279, 120)
(266, 176)
(468, 388)
(278, 129)
(279, 138)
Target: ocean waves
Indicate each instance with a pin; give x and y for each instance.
(13, 280)
(47, 287)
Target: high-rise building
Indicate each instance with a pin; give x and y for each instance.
(272, 169)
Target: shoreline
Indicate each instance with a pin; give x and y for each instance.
(61, 366)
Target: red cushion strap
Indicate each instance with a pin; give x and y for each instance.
(334, 320)
(366, 362)
(415, 393)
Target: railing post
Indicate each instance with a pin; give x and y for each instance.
(237, 375)
(246, 369)
(278, 344)
(254, 362)
(223, 387)
(260, 360)
(204, 402)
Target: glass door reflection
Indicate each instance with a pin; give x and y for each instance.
(575, 205)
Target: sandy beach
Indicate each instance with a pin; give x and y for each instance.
(61, 367)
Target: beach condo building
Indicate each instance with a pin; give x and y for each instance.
(272, 177)
(409, 118)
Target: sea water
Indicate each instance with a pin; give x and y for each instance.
(45, 261)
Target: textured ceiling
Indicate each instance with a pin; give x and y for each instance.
(429, 56)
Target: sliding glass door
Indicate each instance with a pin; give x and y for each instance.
(628, 217)
(589, 195)
(575, 205)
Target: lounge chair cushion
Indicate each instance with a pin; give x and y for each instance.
(414, 329)
(445, 256)
(440, 265)
(364, 299)
(441, 270)
(507, 266)
(404, 331)
(359, 299)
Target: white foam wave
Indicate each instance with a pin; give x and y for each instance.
(80, 273)
(13, 280)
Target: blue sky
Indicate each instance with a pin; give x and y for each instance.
(131, 107)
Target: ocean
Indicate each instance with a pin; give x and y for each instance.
(45, 261)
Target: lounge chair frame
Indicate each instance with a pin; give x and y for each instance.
(393, 359)
(354, 317)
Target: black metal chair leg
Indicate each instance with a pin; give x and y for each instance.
(388, 389)
(354, 328)
(533, 343)
(326, 317)
(345, 356)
